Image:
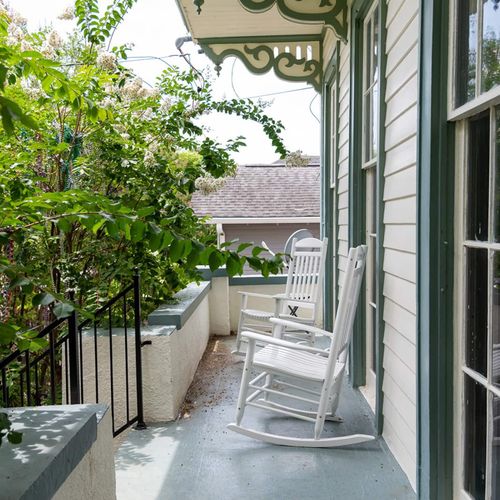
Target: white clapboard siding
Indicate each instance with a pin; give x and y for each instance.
(398, 369)
(343, 160)
(401, 184)
(401, 264)
(401, 237)
(405, 460)
(400, 319)
(405, 406)
(401, 156)
(402, 347)
(400, 211)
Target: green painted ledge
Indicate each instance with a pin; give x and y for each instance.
(257, 279)
(178, 313)
(55, 439)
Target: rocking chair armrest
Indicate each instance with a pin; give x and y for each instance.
(266, 339)
(258, 295)
(301, 326)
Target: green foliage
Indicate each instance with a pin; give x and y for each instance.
(97, 172)
(6, 431)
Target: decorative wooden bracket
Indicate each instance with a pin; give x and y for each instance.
(331, 12)
(294, 59)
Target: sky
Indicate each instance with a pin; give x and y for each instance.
(153, 26)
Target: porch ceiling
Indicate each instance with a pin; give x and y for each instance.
(284, 35)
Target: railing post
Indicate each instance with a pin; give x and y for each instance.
(138, 346)
(73, 361)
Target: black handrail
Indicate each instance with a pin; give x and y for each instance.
(68, 345)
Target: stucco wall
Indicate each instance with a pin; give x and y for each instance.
(169, 360)
(94, 477)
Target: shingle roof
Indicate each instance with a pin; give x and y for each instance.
(264, 191)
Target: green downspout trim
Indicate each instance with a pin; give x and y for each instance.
(435, 210)
(380, 326)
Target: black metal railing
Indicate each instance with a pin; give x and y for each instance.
(81, 361)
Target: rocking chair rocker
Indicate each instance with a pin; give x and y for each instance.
(304, 365)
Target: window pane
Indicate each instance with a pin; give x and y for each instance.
(475, 438)
(374, 145)
(476, 310)
(368, 54)
(497, 177)
(478, 178)
(495, 321)
(466, 43)
(368, 127)
(374, 54)
(495, 452)
(490, 50)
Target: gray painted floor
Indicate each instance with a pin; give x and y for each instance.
(195, 457)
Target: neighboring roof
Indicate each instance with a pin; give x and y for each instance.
(264, 191)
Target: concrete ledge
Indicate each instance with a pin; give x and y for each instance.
(279, 279)
(55, 440)
(207, 275)
(177, 314)
(257, 279)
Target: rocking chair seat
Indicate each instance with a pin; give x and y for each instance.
(294, 363)
(256, 314)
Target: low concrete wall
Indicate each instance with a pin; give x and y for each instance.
(170, 362)
(66, 453)
(173, 344)
(94, 477)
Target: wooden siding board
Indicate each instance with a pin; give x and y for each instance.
(406, 407)
(403, 45)
(401, 211)
(400, 453)
(402, 237)
(405, 432)
(401, 264)
(401, 291)
(401, 347)
(401, 129)
(406, 14)
(402, 72)
(399, 371)
(401, 184)
(401, 156)
(402, 100)
(400, 319)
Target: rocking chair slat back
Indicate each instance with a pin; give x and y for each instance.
(306, 269)
(346, 311)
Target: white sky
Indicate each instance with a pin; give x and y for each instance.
(153, 26)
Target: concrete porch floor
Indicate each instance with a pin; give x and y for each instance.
(196, 458)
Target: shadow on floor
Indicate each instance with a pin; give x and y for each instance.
(195, 457)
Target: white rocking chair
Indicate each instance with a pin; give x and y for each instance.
(303, 364)
(303, 289)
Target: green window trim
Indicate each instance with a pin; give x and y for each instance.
(328, 202)
(357, 206)
(435, 216)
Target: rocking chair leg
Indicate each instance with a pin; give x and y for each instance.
(238, 335)
(245, 379)
(267, 385)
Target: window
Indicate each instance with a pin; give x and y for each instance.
(333, 133)
(477, 49)
(331, 157)
(370, 121)
(480, 370)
